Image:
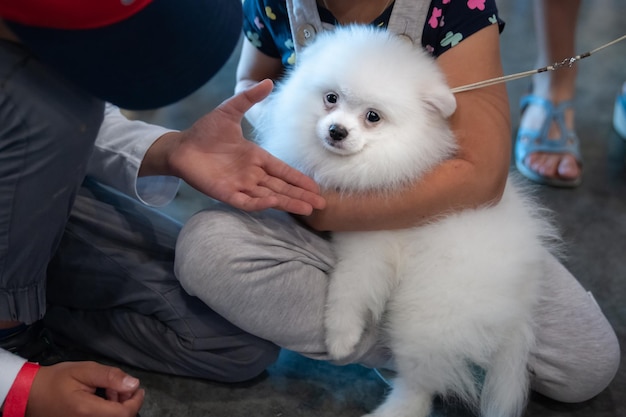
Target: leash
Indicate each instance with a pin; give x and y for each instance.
(567, 62)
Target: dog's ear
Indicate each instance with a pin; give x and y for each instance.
(440, 97)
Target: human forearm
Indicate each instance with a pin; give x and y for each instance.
(451, 186)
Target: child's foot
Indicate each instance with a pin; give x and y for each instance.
(547, 148)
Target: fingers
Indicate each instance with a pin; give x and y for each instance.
(123, 395)
(69, 389)
(275, 193)
(108, 408)
(240, 103)
(135, 402)
(297, 187)
(247, 203)
(278, 169)
(295, 192)
(286, 180)
(107, 377)
(259, 91)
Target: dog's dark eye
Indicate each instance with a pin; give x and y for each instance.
(331, 98)
(372, 116)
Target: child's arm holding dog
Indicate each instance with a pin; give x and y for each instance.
(475, 177)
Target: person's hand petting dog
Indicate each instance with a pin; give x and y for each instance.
(68, 389)
(214, 157)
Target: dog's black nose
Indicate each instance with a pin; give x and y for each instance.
(337, 132)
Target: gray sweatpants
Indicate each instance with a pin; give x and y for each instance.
(268, 274)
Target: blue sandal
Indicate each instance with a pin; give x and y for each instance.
(619, 113)
(529, 141)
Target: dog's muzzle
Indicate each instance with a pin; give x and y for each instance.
(337, 132)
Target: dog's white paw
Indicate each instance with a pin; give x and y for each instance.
(342, 340)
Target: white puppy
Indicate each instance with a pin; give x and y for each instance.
(366, 111)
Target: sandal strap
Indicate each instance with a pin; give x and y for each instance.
(538, 100)
(537, 140)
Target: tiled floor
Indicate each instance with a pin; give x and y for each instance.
(592, 218)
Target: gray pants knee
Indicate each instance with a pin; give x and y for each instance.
(268, 274)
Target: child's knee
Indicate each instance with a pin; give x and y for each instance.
(585, 379)
(206, 245)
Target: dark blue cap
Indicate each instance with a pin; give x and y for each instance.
(156, 57)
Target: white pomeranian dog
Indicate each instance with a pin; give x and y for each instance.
(366, 111)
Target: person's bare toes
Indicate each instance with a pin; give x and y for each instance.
(568, 167)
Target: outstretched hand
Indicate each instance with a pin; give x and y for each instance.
(68, 390)
(214, 157)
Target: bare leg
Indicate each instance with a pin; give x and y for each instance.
(555, 26)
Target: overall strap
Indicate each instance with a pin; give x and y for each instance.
(407, 19)
(305, 22)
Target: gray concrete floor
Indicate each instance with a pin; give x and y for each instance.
(592, 219)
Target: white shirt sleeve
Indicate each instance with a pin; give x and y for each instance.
(10, 365)
(119, 149)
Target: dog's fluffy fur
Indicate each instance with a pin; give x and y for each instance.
(366, 111)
